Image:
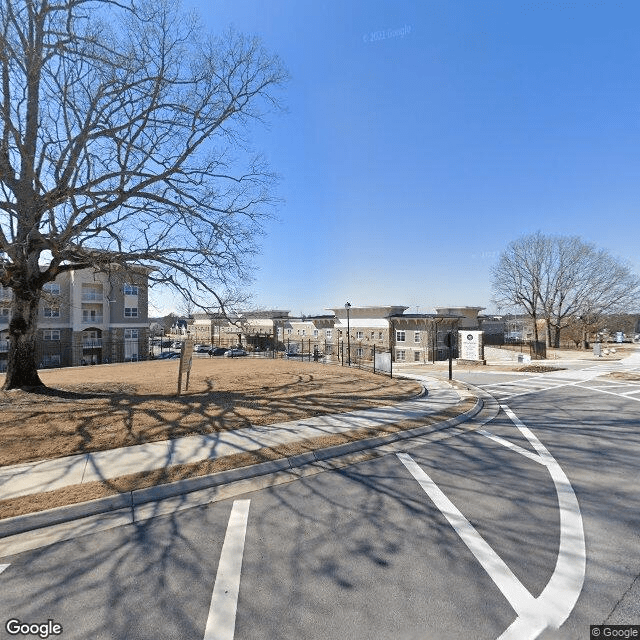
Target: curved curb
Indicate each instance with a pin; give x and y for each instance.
(129, 504)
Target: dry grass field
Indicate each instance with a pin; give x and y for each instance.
(104, 407)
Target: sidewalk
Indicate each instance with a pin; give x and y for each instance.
(48, 475)
(54, 524)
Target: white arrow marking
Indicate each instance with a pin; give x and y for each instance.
(512, 589)
(559, 597)
(221, 622)
(553, 606)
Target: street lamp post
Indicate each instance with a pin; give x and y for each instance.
(347, 306)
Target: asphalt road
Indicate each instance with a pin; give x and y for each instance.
(530, 523)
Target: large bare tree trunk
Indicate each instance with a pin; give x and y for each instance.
(22, 370)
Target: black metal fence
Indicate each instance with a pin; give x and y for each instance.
(56, 353)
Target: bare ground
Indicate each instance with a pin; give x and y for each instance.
(106, 407)
(97, 408)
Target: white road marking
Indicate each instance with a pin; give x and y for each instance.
(221, 622)
(510, 445)
(557, 600)
(553, 606)
(611, 393)
(513, 590)
(4, 566)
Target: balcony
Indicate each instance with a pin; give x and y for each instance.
(92, 318)
(4, 346)
(92, 343)
(92, 296)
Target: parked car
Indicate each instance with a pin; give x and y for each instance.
(201, 348)
(167, 354)
(235, 353)
(177, 344)
(218, 351)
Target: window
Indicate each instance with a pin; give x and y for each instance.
(315, 333)
(50, 360)
(51, 334)
(400, 336)
(91, 315)
(4, 312)
(131, 334)
(379, 335)
(359, 335)
(373, 335)
(91, 292)
(289, 332)
(416, 356)
(130, 290)
(328, 333)
(52, 287)
(359, 352)
(52, 312)
(304, 332)
(401, 355)
(416, 336)
(131, 312)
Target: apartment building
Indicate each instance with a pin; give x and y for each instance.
(409, 337)
(88, 317)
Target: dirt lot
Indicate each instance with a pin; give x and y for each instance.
(105, 407)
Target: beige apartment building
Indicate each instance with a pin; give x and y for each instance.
(88, 317)
(409, 337)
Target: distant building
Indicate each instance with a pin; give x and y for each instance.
(87, 317)
(409, 337)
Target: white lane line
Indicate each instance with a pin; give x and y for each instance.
(611, 393)
(510, 445)
(4, 566)
(221, 622)
(513, 590)
(553, 606)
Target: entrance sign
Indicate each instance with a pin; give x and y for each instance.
(471, 345)
(382, 361)
(186, 357)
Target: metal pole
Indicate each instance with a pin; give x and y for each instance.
(348, 306)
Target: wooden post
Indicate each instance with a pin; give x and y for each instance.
(186, 357)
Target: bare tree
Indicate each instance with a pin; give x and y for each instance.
(125, 141)
(518, 276)
(566, 281)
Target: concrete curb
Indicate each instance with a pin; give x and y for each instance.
(128, 505)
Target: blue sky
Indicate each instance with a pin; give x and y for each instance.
(420, 138)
